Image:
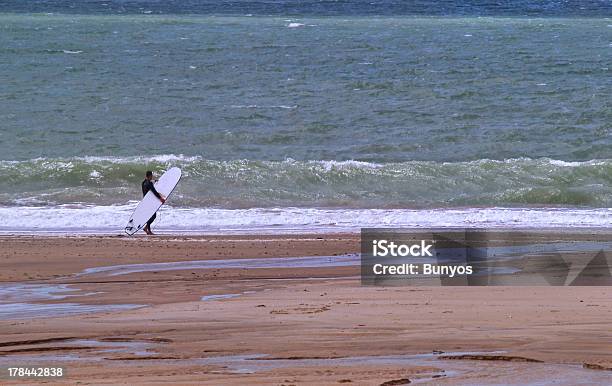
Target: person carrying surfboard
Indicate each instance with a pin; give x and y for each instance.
(147, 185)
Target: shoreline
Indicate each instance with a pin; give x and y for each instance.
(109, 220)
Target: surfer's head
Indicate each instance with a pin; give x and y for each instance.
(149, 175)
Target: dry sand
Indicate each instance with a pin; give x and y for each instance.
(285, 325)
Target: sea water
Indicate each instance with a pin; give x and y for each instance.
(296, 115)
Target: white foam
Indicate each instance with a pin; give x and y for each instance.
(295, 25)
(138, 159)
(112, 219)
(576, 163)
(68, 162)
(264, 107)
(329, 165)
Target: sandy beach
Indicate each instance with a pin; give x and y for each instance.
(242, 309)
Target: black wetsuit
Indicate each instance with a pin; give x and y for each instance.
(146, 186)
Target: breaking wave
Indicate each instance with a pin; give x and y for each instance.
(341, 184)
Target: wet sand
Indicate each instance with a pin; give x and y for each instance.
(227, 323)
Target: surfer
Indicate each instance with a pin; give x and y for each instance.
(147, 185)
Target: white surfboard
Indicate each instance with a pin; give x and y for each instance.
(150, 204)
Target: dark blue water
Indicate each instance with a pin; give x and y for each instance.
(594, 8)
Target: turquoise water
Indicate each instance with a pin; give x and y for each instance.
(331, 111)
(372, 89)
(290, 183)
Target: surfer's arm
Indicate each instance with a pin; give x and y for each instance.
(157, 194)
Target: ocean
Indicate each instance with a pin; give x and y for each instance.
(299, 115)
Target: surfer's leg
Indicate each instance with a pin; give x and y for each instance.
(147, 227)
